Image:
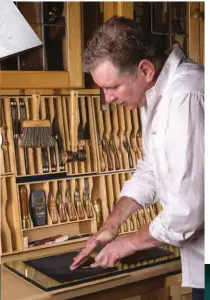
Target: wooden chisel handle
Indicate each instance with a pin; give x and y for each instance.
(24, 207)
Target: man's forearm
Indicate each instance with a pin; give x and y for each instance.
(124, 208)
(142, 239)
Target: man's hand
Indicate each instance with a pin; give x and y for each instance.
(123, 246)
(114, 251)
(101, 238)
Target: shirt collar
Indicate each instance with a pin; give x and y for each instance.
(167, 72)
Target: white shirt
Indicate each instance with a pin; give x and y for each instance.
(173, 166)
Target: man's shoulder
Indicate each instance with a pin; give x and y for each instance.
(188, 78)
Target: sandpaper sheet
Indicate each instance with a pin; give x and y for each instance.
(57, 267)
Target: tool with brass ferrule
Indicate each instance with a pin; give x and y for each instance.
(5, 143)
(78, 202)
(70, 205)
(86, 200)
(23, 117)
(60, 204)
(57, 135)
(53, 160)
(99, 138)
(113, 145)
(15, 127)
(26, 222)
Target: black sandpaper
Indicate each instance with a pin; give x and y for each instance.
(57, 267)
(146, 254)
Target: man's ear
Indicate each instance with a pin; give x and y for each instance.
(147, 69)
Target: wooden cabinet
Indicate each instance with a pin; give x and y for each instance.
(188, 15)
(105, 178)
(196, 31)
(173, 289)
(72, 76)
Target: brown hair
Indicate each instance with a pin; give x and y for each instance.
(121, 41)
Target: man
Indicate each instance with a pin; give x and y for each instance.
(169, 89)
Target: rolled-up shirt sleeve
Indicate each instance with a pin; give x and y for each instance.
(183, 215)
(141, 187)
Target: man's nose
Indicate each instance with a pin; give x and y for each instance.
(109, 97)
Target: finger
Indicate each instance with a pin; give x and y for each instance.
(79, 259)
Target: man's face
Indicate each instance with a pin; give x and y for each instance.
(124, 90)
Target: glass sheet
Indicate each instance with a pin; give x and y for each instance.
(48, 284)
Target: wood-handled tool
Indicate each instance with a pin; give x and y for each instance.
(53, 160)
(57, 135)
(2, 157)
(137, 220)
(70, 206)
(139, 132)
(111, 197)
(73, 118)
(134, 134)
(128, 149)
(6, 236)
(44, 154)
(98, 212)
(128, 130)
(87, 124)
(60, 204)
(81, 131)
(15, 127)
(126, 224)
(106, 146)
(113, 136)
(5, 143)
(99, 139)
(78, 203)
(86, 200)
(89, 149)
(81, 135)
(45, 160)
(26, 223)
(121, 135)
(52, 208)
(107, 132)
(23, 117)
